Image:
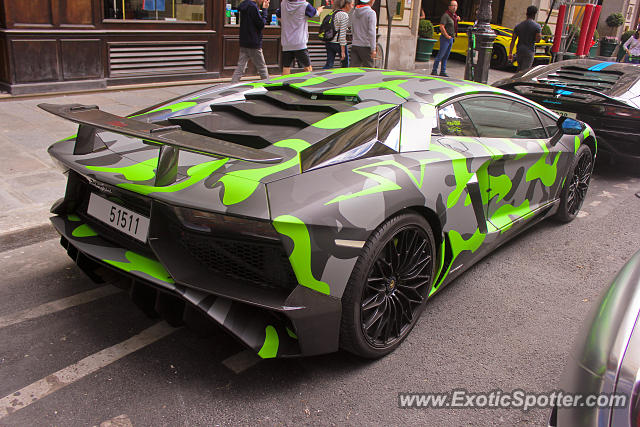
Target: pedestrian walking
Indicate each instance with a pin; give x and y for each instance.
(252, 22)
(363, 29)
(448, 32)
(632, 47)
(294, 32)
(338, 45)
(527, 33)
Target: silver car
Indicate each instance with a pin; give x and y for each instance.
(606, 356)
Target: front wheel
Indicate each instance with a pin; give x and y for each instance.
(498, 57)
(576, 185)
(389, 286)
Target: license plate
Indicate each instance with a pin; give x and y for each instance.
(122, 219)
(567, 114)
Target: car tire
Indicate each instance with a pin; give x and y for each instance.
(498, 57)
(391, 280)
(576, 185)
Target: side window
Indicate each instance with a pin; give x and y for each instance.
(454, 121)
(549, 124)
(496, 117)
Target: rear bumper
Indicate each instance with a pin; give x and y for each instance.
(541, 60)
(301, 323)
(620, 143)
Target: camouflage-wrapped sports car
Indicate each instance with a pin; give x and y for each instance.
(312, 211)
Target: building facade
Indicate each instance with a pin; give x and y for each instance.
(59, 45)
(52, 45)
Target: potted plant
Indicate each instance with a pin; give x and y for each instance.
(609, 43)
(547, 35)
(425, 40)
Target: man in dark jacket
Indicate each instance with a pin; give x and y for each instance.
(527, 33)
(252, 21)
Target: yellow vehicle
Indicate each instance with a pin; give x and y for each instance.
(499, 55)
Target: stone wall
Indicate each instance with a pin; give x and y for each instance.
(404, 34)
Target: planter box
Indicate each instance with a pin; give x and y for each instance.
(607, 47)
(424, 49)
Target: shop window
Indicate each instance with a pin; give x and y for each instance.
(399, 14)
(154, 10)
(232, 17)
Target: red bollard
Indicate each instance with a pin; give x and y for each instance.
(557, 38)
(592, 28)
(584, 29)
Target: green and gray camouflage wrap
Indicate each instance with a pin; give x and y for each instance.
(266, 248)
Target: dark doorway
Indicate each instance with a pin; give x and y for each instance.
(433, 10)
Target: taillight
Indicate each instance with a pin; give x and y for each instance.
(621, 112)
(220, 224)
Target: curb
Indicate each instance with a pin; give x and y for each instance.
(27, 236)
(26, 226)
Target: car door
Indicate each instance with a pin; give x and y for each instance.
(461, 41)
(523, 172)
(457, 139)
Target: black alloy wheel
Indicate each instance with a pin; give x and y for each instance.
(579, 184)
(397, 285)
(389, 287)
(498, 57)
(576, 186)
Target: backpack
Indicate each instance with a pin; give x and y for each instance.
(327, 28)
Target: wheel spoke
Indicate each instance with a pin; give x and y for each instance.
(394, 255)
(412, 294)
(414, 287)
(377, 315)
(373, 301)
(385, 267)
(404, 302)
(410, 243)
(417, 268)
(382, 324)
(416, 253)
(391, 319)
(377, 284)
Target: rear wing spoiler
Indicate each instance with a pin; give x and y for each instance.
(561, 87)
(90, 118)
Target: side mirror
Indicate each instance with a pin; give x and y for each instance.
(570, 126)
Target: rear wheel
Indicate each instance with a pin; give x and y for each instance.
(498, 56)
(389, 286)
(576, 185)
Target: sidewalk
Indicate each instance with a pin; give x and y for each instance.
(29, 181)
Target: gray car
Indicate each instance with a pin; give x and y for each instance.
(606, 356)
